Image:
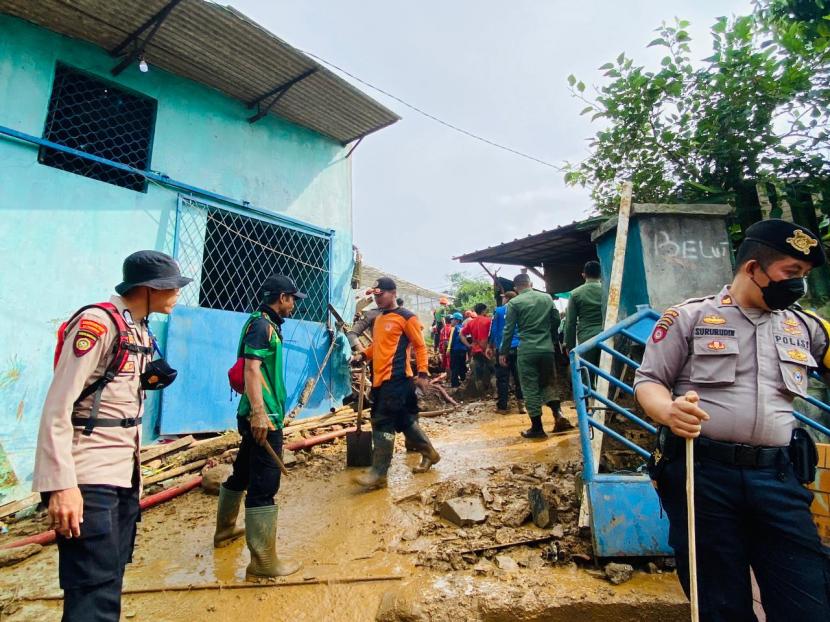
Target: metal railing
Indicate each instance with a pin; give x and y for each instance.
(613, 507)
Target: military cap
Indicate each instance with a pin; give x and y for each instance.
(788, 238)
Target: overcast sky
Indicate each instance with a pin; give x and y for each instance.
(424, 194)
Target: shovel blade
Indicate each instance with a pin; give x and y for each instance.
(359, 448)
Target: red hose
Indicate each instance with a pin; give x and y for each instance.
(316, 440)
(48, 537)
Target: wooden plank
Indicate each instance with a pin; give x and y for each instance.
(611, 314)
(21, 504)
(156, 451)
(165, 475)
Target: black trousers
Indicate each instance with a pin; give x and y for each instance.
(458, 367)
(758, 517)
(394, 405)
(503, 376)
(254, 469)
(91, 567)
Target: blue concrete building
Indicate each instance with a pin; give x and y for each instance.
(180, 126)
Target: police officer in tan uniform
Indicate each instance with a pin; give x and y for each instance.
(724, 370)
(87, 461)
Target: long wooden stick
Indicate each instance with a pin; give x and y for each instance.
(233, 586)
(612, 310)
(507, 545)
(690, 515)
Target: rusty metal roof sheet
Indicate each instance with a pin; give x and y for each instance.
(221, 48)
(561, 244)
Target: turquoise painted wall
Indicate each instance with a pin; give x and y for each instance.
(63, 236)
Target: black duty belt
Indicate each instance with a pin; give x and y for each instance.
(129, 422)
(738, 454)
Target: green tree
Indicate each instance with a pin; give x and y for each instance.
(756, 110)
(468, 291)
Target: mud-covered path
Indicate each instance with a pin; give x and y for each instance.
(339, 532)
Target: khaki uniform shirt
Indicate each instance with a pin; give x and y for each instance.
(65, 457)
(747, 365)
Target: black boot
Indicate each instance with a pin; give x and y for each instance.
(562, 424)
(535, 430)
(415, 435)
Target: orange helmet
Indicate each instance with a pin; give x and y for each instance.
(443, 301)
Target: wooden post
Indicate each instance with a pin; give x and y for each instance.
(611, 314)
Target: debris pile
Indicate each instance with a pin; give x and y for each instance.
(497, 520)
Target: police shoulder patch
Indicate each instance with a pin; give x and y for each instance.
(92, 326)
(84, 342)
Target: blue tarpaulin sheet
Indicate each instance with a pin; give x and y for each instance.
(201, 345)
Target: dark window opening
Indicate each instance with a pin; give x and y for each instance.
(98, 118)
(240, 252)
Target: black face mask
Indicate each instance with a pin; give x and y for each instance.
(157, 375)
(781, 294)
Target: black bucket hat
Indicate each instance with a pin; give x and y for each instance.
(152, 269)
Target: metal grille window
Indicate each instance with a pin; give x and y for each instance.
(231, 254)
(101, 119)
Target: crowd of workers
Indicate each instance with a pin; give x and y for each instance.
(524, 343)
(721, 371)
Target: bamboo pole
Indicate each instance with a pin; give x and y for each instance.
(611, 314)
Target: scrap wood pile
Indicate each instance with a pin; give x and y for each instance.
(165, 461)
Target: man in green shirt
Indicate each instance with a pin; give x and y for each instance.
(583, 319)
(260, 420)
(534, 315)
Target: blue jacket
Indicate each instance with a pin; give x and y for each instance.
(497, 328)
(456, 345)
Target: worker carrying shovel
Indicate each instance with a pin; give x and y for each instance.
(394, 403)
(260, 416)
(724, 370)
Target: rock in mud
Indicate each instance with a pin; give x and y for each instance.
(543, 515)
(618, 573)
(214, 477)
(516, 513)
(506, 563)
(10, 557)
(464, 511)
(289, 458)
(396, 606)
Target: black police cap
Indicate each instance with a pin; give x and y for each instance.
(788, 238)
(280, 284)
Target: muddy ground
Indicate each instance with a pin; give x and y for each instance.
(427, 568)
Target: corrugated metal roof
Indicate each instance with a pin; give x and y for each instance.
(566, 243)
(218, 46)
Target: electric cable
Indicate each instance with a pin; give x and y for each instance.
(432, 117)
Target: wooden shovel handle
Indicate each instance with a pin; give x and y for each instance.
(361, 395)
(276, 458)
